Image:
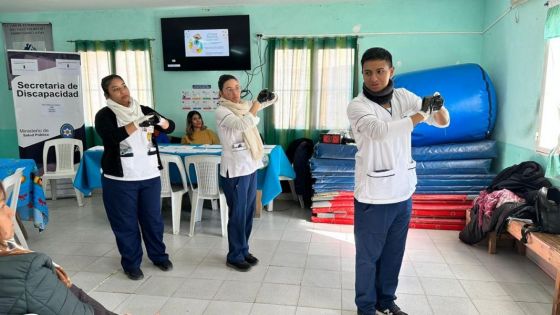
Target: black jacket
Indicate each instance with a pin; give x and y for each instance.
(112, 135)
(521, 179)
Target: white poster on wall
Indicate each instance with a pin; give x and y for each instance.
(47, 98)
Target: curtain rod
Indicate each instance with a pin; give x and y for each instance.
(75, 40)
(365, 34)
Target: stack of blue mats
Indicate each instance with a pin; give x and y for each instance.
(459, 168)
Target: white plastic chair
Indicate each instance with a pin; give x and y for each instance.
(207, 176)
(11, 185)
(65, 166)
(167, 189)
(295, 196)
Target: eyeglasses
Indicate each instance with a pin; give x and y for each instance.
(234, 89)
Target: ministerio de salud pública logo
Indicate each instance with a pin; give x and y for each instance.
(67, 131)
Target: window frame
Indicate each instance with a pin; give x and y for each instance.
(543, 102)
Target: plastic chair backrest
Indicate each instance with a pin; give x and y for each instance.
(207, 176)
(11, 185)
(64, 151)
(166, 160)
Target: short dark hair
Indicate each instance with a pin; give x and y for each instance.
(107, 80)
(377, 53)
(223, 79)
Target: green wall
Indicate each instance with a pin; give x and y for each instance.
(413, 51)
(513, 54)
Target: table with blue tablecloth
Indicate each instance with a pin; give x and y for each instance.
(89, 172)
(32, 203)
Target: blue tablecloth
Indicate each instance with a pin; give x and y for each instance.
(32, 203)
(89, 172)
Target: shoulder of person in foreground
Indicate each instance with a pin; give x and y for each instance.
(46, 293)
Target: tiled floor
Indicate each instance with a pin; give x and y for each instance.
(305, 268)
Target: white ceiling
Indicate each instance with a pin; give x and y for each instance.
(69, 5)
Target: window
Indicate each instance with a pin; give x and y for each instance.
(549, 128)
(314, 83)
(128, 58)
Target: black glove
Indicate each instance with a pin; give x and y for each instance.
(265, 95)
(432, 103)
(152, 121)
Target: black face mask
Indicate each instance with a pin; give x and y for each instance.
(382, 97)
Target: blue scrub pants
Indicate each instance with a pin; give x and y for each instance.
(241, 197)
(380, 232)
(134, 206)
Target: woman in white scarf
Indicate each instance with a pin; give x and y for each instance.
(131, 176)
(242, 151)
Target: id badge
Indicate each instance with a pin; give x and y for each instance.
(149, 129)
(238, 146)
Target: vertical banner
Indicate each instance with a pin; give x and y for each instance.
(47, 94)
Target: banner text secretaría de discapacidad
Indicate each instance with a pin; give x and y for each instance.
(42, 90)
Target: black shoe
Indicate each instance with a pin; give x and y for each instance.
(239, 266)
(164, 265)
(134, 274)
(393, 310)
(252, 260)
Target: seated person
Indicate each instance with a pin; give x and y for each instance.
(197, 132)
(31, 282)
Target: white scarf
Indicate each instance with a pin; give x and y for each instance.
(251, 136)
(125, 115)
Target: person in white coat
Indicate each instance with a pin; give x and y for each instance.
(382, 119)
(242, 152)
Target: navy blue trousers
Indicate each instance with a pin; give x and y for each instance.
(134, 206)
(241, 197)
(380, 232)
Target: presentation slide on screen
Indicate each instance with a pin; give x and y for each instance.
(207, 43)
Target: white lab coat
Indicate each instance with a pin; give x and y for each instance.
(385, 171)
(236, 156)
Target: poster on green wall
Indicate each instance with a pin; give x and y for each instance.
(27, 36)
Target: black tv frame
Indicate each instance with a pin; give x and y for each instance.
(173, 43)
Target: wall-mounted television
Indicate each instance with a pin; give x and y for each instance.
(206, 43)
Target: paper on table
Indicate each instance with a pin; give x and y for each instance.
(176, 148)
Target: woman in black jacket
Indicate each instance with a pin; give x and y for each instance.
(131, 175)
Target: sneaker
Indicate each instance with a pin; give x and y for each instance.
(164, 265)
(393, 310)
(252, 260)
(266, 98)
(134, 274)
(239, 266)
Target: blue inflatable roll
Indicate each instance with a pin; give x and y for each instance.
(469, 97)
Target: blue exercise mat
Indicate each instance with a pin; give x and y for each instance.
(469, 96)
(478, 166)
(333, 166)
(485, 149)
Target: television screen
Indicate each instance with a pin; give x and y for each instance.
(206, 43)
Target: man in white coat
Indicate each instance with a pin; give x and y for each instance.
(382, 119)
